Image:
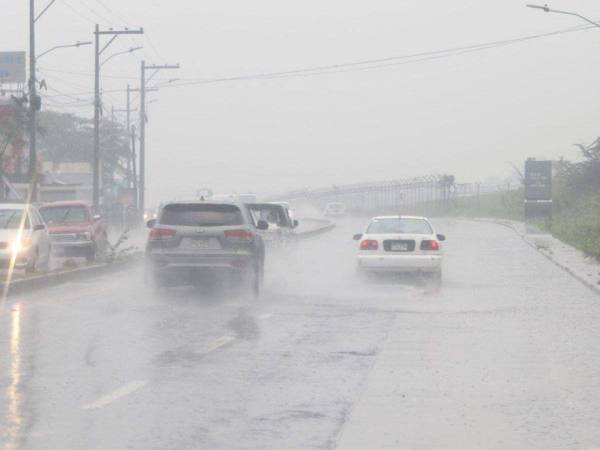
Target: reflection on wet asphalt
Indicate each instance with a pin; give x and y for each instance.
(108, 364)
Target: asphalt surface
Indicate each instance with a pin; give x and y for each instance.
(506, 355)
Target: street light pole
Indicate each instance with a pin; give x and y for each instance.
(128, 110)
(56, 47)
(33, 104)
(97, 102)
(143, 89)
(96, 157)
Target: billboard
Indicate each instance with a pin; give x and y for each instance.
(538, 180)
(12, 67)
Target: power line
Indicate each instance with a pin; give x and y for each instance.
(77, 12)
(362, 65)
(377, 63)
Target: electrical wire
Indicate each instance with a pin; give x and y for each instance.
(362, 65)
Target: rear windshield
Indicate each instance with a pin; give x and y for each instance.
(199, 215)
(59, 215)
(10, 219)
(399, 226)
(272, 214)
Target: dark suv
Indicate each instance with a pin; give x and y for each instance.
(197, 240)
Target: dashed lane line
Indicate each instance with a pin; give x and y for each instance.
(115, 395)
(218, 343)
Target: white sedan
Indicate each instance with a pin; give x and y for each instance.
(400, 244)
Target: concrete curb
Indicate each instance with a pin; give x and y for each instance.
(46, 280)
(508, 224)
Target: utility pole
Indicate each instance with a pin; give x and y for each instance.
(128, 110)
(33, 105)
(98, 104)
(128, 125)
(143, 89)
(133, 162)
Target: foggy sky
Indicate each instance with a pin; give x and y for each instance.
(468, 115)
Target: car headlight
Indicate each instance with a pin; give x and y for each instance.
(20, 245)
(87, 236)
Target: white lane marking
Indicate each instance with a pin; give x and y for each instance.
(116, 394)
(265, 316)
(220, 342)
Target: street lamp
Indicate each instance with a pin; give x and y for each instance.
(131, 50)
(76, 44)
(547, 9)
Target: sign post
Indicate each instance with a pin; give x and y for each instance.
(538, 191)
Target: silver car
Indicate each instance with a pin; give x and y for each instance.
(24, 241)
(195, 241)
(280, 231)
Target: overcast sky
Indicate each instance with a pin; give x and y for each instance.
(467, 115)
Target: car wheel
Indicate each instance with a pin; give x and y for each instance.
(31, 266)
(254, 280)
(434, 279)
(90, 254)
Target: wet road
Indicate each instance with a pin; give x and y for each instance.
(506, 355)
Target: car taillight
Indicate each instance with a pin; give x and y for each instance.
(157, 234)
(369, 244)
(239, 235)
(430, 245)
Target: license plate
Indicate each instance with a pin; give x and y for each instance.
(199, 243)
(399, 247)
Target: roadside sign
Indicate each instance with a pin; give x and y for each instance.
(538, 180)
(12, 67)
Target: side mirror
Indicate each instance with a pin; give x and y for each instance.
(357, 237)
(39, 227)
(441, 237)
(96, 217)
(262, 225)
(151, 223)
(295, 223)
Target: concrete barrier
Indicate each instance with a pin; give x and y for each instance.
(320, 226)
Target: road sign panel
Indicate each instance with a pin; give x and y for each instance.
(12, 67)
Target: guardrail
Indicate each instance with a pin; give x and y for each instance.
(322, 226)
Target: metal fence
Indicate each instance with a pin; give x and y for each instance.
(431, 194)
(403, 196)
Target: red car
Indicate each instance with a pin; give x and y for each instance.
(74, 229)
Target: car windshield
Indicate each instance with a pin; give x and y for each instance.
(10, 219)
(399, 226)
(59, 215)
(201, 215)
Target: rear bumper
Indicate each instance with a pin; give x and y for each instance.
(72, 245)
(186, 263)
(399, 263)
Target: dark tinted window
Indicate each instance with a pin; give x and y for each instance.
(201, 215)
(272, 214)
(399, 226)
(10, 219)
(64, 214)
